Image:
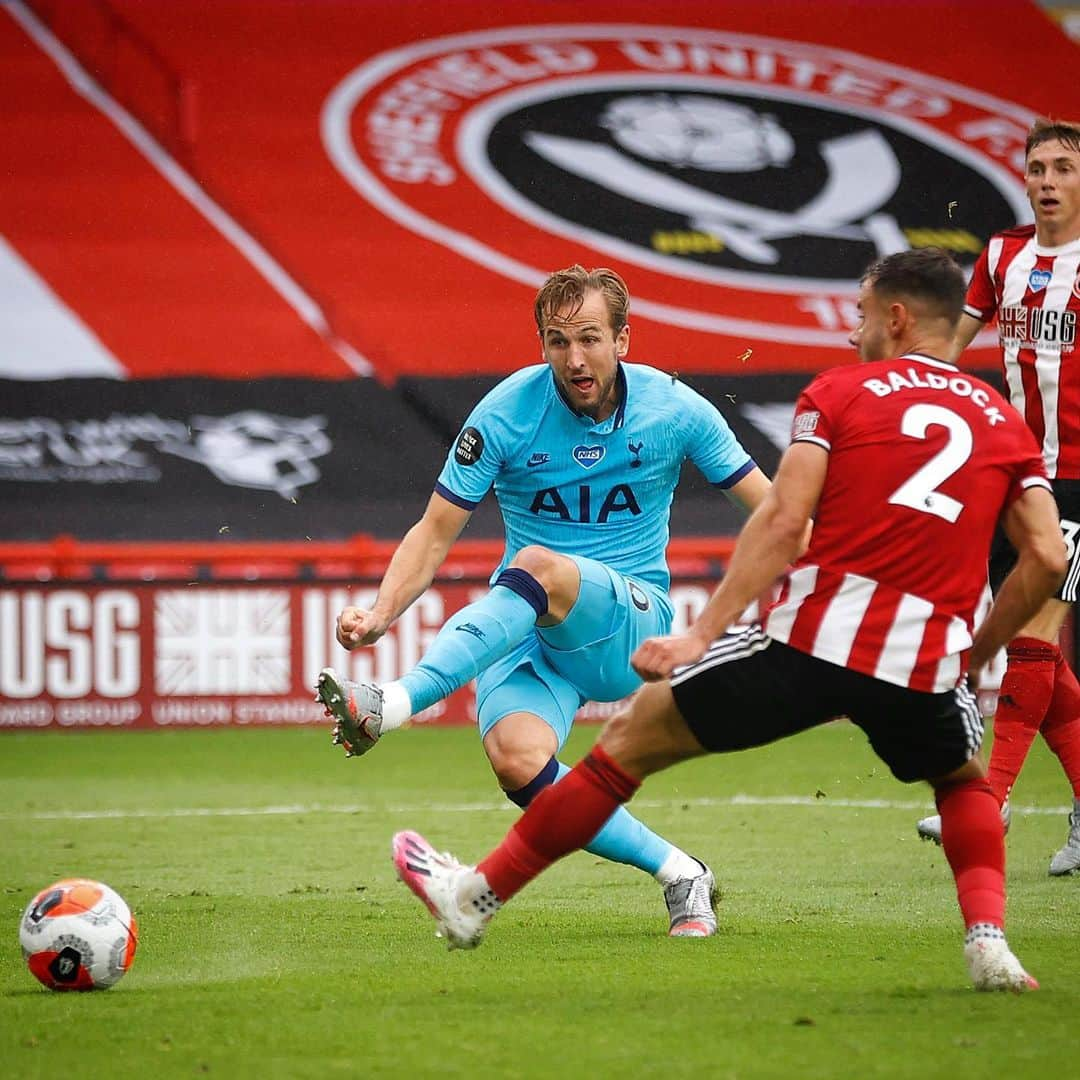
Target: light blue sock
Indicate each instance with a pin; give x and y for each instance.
(474, 638)
(625, 839)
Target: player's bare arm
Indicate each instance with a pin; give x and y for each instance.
(1031, 524)
(966, 329)
(772, 537)
(412, 569)
(750, 491)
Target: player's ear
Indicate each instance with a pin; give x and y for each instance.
(622, 341)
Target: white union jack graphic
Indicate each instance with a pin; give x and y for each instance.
(222, 641)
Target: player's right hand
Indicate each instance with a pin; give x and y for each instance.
(357, 626)
(656, 658)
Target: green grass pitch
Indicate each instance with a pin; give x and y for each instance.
(276, 942)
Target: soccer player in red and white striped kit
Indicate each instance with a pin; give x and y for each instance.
(906, 465)
(1029, 277)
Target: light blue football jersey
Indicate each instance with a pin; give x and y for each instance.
(602, 490)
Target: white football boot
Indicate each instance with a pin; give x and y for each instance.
(356, 709)
(691, 904)
(991, 963)
(1067, 860)
(456, 895)
(930, 827)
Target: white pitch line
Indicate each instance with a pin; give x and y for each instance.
(486, 807)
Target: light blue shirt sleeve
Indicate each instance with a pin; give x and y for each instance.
(710, 443)
(475, 459)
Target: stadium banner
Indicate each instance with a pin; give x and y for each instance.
(149, 657)
(288, 459)
(408, 179)
(205, 459)
(282, 459)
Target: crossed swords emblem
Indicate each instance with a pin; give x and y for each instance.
(863, 174)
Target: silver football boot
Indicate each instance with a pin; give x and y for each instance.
(691, 904)
(930, 827)
(356, 708)
(1067, 860)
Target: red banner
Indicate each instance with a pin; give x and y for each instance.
(409, 172)
(157, 656)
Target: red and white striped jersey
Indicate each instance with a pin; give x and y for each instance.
(922, 461)
(1035, 293)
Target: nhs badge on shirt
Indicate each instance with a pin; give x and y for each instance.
(1038, 280)
(588, 456)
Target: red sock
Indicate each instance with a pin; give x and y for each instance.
(974, 842)
(1023, 700)
(561, 819)
(1061, 728)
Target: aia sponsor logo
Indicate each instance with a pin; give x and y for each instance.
(747, 180)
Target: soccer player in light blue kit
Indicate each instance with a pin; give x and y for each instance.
(584, 453)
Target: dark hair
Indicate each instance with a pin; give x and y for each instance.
(567, 289)
(1067, 132)
(929, 275)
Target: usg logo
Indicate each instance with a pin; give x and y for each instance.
(748, 180)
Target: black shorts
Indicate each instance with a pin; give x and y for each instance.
(749, 690)
(1003, 554)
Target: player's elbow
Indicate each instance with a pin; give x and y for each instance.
(1056, 562)
(1048, 561)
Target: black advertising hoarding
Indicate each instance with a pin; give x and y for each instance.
(203, 459)
(286, 459)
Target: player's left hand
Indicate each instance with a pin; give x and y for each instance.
(658, 657)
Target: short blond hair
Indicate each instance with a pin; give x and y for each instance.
(567, 289)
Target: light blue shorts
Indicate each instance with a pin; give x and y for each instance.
(556, 669)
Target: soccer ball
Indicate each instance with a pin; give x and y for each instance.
(78, 935)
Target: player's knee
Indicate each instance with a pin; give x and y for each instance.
(518, 769)
(538, 561)
(557, 575)
(516, 761)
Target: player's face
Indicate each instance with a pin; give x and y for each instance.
(584, 355)
(870, 335)
(1052, 178)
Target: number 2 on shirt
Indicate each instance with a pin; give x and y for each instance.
(919, 491)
